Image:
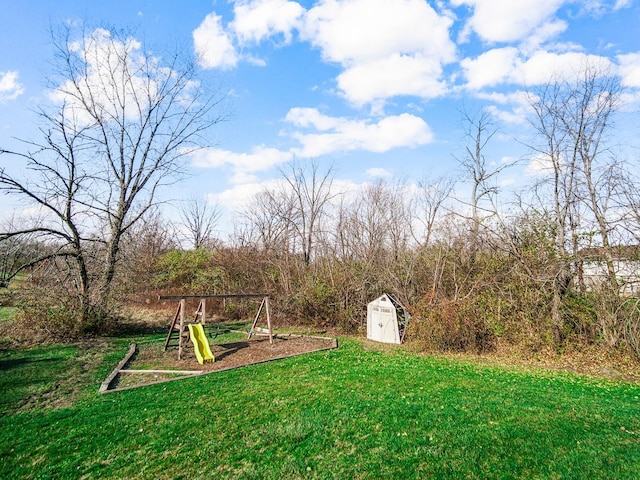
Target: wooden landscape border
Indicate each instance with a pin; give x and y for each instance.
(114, 373)
(104, 388)
(120, 369)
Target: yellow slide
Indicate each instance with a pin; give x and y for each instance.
(200, 343)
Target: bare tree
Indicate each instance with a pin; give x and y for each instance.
(590, 106)
(200, 219)
(269, 217)
(560, 170)
(268, 229)
(479, 131)
(19, 252)
(151, 237)
(546, 121)
(574, 117)
(311, 191)
(370, 219)
(631, 195)
(377, 223)
(123, 121)
(433, 193)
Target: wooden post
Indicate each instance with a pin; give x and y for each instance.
(266, 306)
(255, 320)
(105, 385)
(173, 328)
(204, 310)
(201, 312)
(182, 307)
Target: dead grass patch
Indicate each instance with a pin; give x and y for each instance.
(586, 360)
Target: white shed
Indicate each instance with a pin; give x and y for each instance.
(386, 320)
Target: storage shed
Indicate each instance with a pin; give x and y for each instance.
(387, 320)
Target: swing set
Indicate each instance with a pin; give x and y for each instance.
(181, 330)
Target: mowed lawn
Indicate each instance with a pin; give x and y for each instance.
(348, 413)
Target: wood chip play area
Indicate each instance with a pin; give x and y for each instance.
(188, 351)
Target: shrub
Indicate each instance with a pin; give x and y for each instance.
(56, 314)
(192, 269)
(454, 326)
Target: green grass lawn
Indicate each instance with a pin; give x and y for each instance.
(7, 313)
(346, 413)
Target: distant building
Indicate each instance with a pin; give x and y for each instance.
(626, 263)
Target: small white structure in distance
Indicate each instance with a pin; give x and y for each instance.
(386, 320)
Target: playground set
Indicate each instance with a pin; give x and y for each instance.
(183, 331)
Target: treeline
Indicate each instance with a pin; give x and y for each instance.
(468, 289)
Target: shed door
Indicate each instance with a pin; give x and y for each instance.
(383, 325)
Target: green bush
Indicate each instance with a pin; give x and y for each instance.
(190, 269)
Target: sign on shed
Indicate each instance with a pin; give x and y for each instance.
(386, 320)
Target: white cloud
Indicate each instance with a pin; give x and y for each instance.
(240, 178)
(342, 135)
(511, 21)
(543, 66)
(539, 166)
(387, 48)
(630, 69)
(354, 31)
(505, 65)
(510, 108)
(240, 196)
(378, 172)
(392, 76)
(259, 159)
(213, 45)
(620, 4)
(258, 62)
(546, 31)
(517, 115)
(520, 97)
(10, 88)
(260, 19)
(491, 68)
(598, 8)
(311, 117)
(630, 101)
(319, 135)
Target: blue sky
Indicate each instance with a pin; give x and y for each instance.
(373, 87)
